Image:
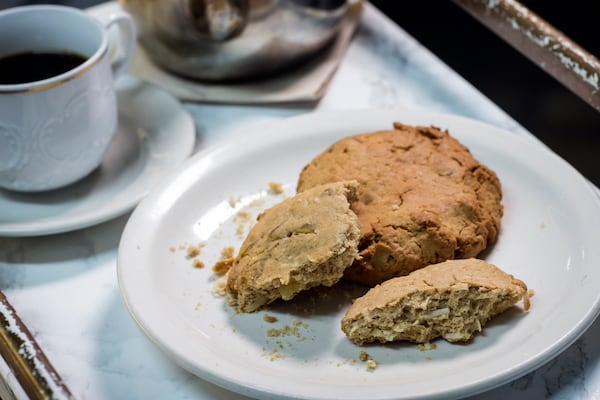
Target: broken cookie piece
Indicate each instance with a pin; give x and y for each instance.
(305, 241)
(452, 300)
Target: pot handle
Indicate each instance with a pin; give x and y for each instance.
(221, 20)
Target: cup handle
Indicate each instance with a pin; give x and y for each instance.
(125, 47)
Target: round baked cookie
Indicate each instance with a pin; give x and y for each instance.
(422, 198)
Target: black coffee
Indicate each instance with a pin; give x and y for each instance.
(31, 67)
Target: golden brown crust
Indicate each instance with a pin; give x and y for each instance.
(453, 299)
(422, 198)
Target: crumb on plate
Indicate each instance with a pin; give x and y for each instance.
(269, 318)
(222, 266)
(363, 355)
(426, 346)
(275, 187)
(371, 364)
(227, 252)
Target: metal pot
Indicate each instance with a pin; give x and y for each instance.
(218, 40)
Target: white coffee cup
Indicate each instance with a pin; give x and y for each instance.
(55, 131)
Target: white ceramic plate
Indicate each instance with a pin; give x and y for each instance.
(548, 238)
(155, 134)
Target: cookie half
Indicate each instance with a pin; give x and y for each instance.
(422, 198)
(305, 241)
(452, 300)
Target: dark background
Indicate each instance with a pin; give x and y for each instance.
(537, 101)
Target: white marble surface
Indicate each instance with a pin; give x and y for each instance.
(65, 288)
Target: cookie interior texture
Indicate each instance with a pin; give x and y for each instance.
(452, 300)
(305, 241)
(422, 198)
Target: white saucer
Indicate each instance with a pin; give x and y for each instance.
(154, 136)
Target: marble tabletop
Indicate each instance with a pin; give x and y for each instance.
(65, 288)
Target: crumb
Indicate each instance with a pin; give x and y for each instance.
(273, 355)
(283, 338)
(242, 218)
(363, 356)
(226, 261)
(232, 201)
(243, 214)
(197, 263)
(220, 286)
(526, 300)
(426, 346)
(222, 266)
(288, 330)
(257, 203)
(276, 356)
(192, 251)
(276, 187)
(269, 318)
(240, 231)
(172, 249)
(274, 332)
(227, 252)
(371, 364)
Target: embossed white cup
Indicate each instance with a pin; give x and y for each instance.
(55, 131)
